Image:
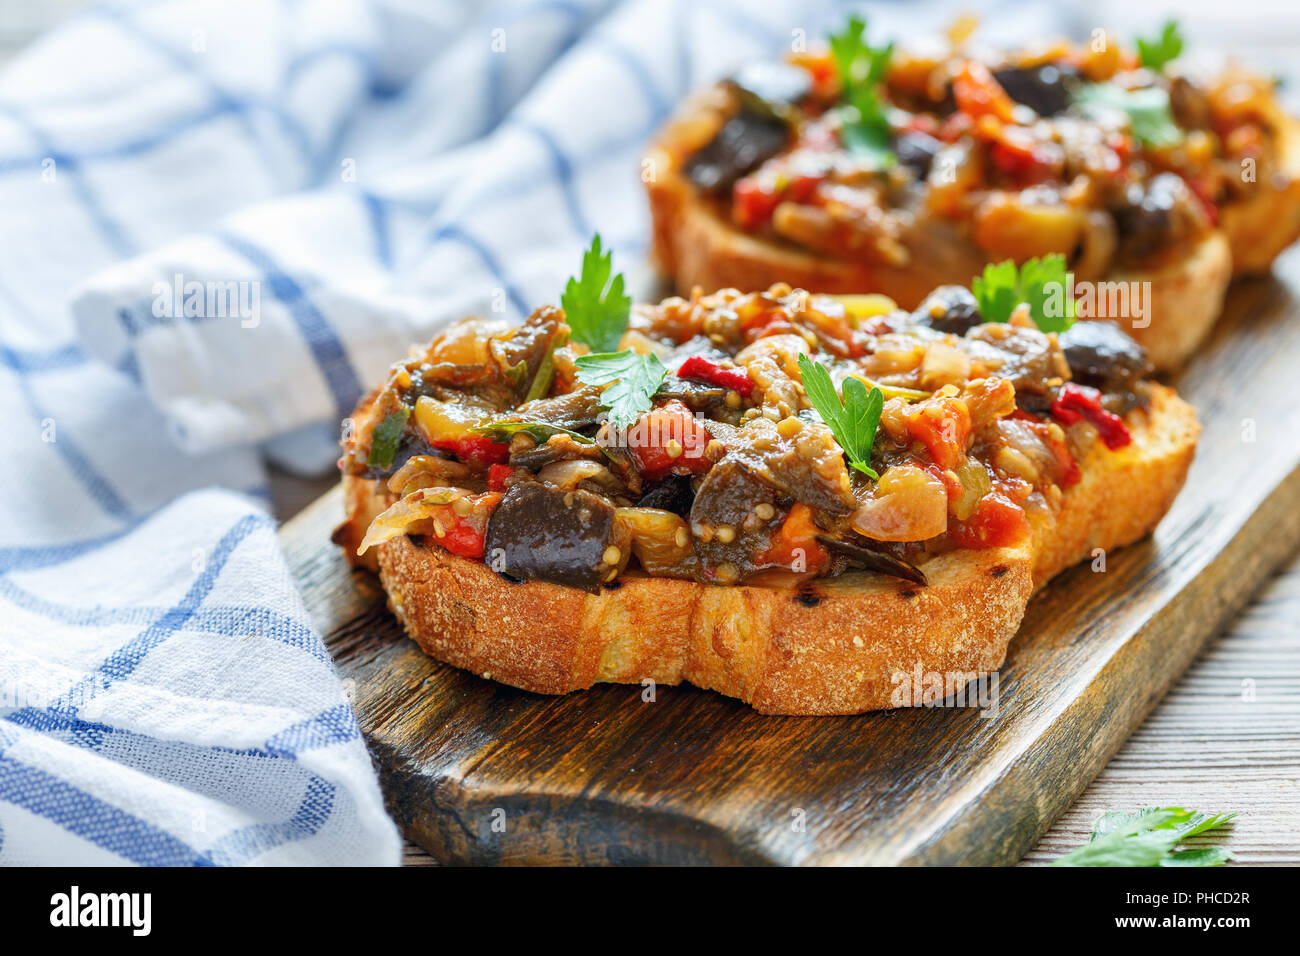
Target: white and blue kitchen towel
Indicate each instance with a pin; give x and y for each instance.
(222, 219)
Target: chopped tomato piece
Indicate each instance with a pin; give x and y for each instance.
(753, 202)
(669, 440)
(795, 545)
(996, 523)
(1017, 155)
(943, 426)
(978, 94)
(699, 369)
(1202, 193)
(1079, 402)
(764, 324)
(465, 534)
(475, 449)
(497, 475)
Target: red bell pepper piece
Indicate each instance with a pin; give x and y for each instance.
(475, 449)
(699, 369)
(1080, 402)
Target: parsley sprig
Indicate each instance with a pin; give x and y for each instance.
(1149, 838)
(1148, 111)
(853, 421)
(1154, 54)
(630, 380)
(595, 305)
(1042, 283)
(866, 131)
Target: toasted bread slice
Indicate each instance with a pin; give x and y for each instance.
(832, 646)
(695, 246)
(1259, 228)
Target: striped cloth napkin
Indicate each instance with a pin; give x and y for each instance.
(223, 220)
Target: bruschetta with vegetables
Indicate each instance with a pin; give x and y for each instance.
(890, 169)
(786, 497)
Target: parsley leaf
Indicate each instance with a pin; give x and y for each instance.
(1043, 283)
(595, 305)
(869, 136)
(1154, 54)
(1148, 838)
(1148, 111)
(631, 380)
(852, 421)
(857, 61)
(865, 131)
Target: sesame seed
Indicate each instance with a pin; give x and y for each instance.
(612, 555)
(765, 511)
(726, 533)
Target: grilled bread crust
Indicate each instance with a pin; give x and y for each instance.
(839, 645)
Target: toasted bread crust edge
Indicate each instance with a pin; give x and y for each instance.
(1259, 228)
(840, 645)
(693, 246)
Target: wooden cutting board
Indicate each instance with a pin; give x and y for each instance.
(476, 772)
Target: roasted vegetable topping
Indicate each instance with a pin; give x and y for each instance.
(801, 435)
(1049, 150)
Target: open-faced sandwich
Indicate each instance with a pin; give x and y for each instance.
(788, 498)
(866, 168)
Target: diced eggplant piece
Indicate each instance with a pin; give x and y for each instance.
(573, 410)
(949, 308)
(1154, 215)
(726, 543)
(695, 395)
(673, 494)
(916, 151)
(808, 467)
(536, 533)
(1102, 355)
(873, 560)
(1032, 363)
(745, 141)
(1045, 89)
(519, 351)
(1189, 104)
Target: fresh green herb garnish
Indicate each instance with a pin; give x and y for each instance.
(386, 437)
(866, 131)
(858, 62)
(869, 135)
(1147, 109)
(595, 305)
(852, 421)
(1042, 283)
(1148, 838)
(541, 431)
(1154, 54)
(630, 381)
